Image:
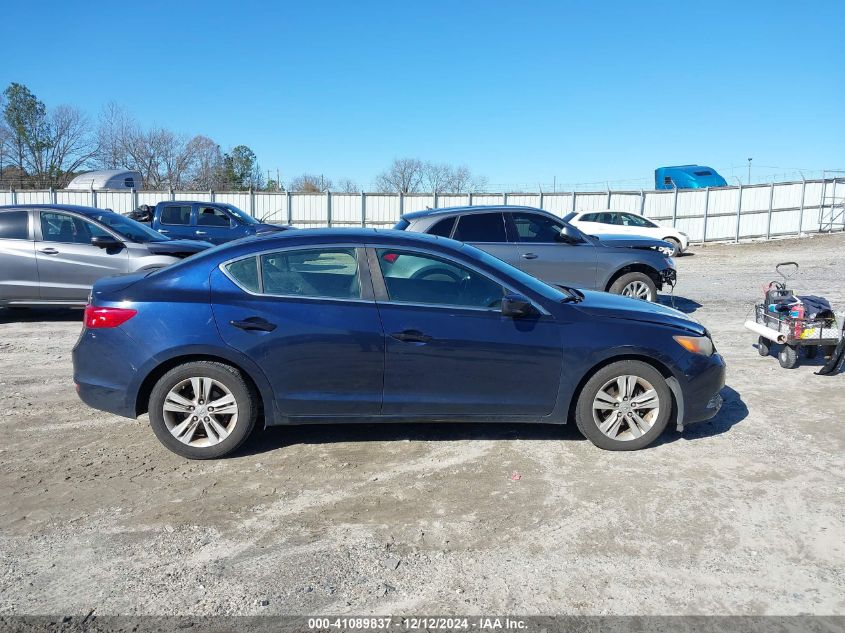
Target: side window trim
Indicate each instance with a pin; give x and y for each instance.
(365, 283)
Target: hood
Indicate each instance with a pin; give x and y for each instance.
(266, 227)
(177, 248)
(630, 241)
(610, 306)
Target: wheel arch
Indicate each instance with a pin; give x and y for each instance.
(635, 267)
(254, 378)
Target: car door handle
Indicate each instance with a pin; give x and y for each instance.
(202, 233)
(165, 231)
(411, 336)
(529, 256)
(49, 251)
(254, 324)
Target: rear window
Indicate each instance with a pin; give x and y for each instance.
(176, 215)
(14, 225)
(443, 228)
(481, 227)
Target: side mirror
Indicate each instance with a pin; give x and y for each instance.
(106, 241)
(516, 306)
(570, 235)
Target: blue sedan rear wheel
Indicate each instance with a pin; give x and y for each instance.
(624, 406)
(202, 409)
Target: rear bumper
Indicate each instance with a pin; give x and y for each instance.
(103, 370)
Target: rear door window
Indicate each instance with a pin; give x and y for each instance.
(330, 273)
(176, 215)
(14, 225)
(481, 227)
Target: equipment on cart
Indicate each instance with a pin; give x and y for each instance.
(797, 322)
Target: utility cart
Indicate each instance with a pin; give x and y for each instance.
(781, 319)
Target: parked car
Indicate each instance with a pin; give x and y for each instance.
(603, 223)
(553, 250)
(52, 255)
(331, 325)
(213, 222)
(687, 177)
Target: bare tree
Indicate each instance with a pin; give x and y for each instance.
(206, 163)
(347, 185)
(114, 130)
(71, 144)
(309, 183)
(404, 175)
(462, 180)
(437, 177)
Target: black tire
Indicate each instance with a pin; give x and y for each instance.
(588, 425)
(788, 357)
(811, 351)
(676, 246)
(627, 280)
(764, 347)
(233, 380)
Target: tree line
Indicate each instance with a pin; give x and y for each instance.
(43, 147)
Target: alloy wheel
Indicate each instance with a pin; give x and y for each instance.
(638, 290)
(200, 411)
(626, 407)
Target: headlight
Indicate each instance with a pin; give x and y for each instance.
(696, 344)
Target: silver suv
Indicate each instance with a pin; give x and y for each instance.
(547, 247)
(52, 255)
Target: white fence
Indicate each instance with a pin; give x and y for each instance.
(718, 214)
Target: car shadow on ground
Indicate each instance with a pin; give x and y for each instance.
(732, 412)
(277, 437)
(684, 304)
(31, 315)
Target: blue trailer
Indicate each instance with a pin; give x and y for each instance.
(687, 177)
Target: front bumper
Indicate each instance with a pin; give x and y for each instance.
(668, 277)
(701, 389)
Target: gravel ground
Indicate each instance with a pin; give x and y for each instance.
(742, 515)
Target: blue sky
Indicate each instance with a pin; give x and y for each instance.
(520, 92)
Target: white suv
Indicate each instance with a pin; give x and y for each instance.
(622, 223)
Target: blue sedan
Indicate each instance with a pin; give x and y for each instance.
(328, 326)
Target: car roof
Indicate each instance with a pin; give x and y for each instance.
(75, 208)
(463, 210)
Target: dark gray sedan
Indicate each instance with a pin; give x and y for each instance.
(551, 249)
(53, 254)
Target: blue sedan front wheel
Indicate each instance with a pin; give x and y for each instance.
(624, 406)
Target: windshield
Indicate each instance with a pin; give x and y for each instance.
(127, 228)
(552, 293)
(242, 216)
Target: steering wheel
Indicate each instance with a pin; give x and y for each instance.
(437, 271)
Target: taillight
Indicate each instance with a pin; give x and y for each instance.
(107, 317)
(390, 258)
